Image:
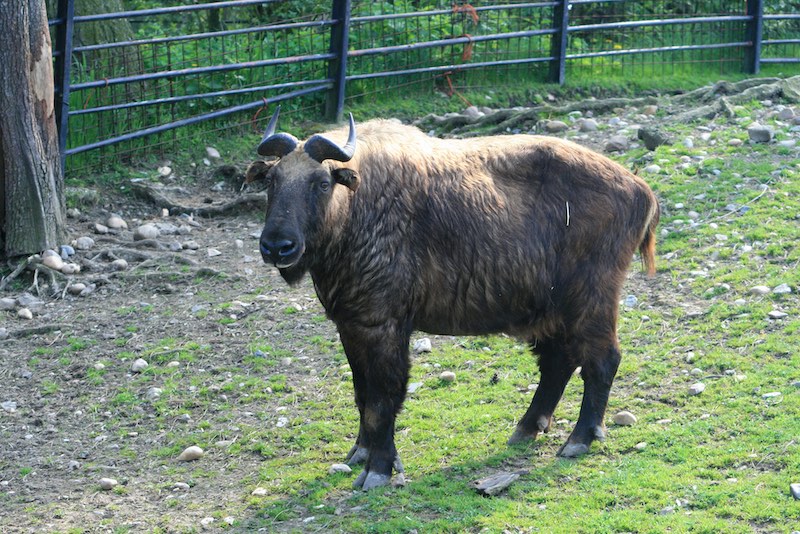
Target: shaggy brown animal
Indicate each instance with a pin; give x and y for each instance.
(522, 234)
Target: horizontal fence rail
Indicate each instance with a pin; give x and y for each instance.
(159, 77)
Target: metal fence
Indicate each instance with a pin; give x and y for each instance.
(155, 70)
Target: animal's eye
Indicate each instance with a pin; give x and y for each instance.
(324, 185)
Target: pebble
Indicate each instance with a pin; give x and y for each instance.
(555, 126)
(99, 228)
(66, 251)
(617, 143)
(212, 152)
(25, 313)
(777, 314)
(259, 492)
(414, 386)
(282, 422)
(771, 395)
(759, 133)
(688, 142)
(119, 264)
(735, 142)
(759, 290)
(697, 389)
(423, 345)
(782, 289)
(164, 171)
(206, 522)
(588, 125)
(447, 376)
(76, 289)
(630, 301)
(88, 290)
(624, 418)
(73, 213)
(99, 366)
(191, 245)
(9, 406)
(181, 486)
(652, 109)
(212, 252)
(153, 394)
(652, 169)
(795, 489)
(53, 260)
(71, 268)
(139, 365)
(3, 333)
(116, 222)
(146, 231)
(108, 483)
(640, 446)
(190, 453)
(339, 468)
(473, 112)
(7, 304)
(83, 243)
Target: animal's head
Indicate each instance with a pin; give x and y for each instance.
(303, 186)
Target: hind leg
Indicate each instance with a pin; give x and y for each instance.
(598, 371)
(555, 368)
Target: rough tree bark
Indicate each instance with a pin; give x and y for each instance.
(32, 211)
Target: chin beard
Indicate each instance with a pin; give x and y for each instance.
(294, 274)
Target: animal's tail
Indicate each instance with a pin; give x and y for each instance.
(647, 248)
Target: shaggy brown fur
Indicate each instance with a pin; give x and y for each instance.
(521, 234)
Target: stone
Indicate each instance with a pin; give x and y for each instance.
(3, 333)
(652, 109)
(630, 301)
(212, 152)
(473, 112)
(182, 486)
(697, 389)
(7, 304)
(146, 231)
(640, 446)
(153, 394)
(759, 133)
(652, 169)
(777, 314)
(53, 261)
(66, 251)
(212, 253)
(164, 171)
(759, 290)
(588, 125)
(617, 143)
(423, 345)
(99, 228)
(207, 522)
(795, 490)
(119, 264)
(190, 454)
(139, 365)
(555, 126)
(624, 418)
(83, 243)
(107, 483)
(25, 313)
(9, 406)
(413, 387)
(115, 222)
(735, 142)
(447, 376)
(782, 289)
(339, 468)
(76, 289)
(771, 395)
(259, 492)
(652, 137)
(71, 268)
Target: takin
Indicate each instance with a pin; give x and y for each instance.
(528, 235)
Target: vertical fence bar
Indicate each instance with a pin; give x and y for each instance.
(61, 74)
(337, 67)
(755, 10)
(558, 43)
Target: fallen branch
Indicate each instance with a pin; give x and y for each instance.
(245, 202)
(495, 484)
(34, 330)
(16, 272)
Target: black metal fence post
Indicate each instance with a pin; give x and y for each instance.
(61, 74)
(558, 44)
(337, 67)
(755, 10)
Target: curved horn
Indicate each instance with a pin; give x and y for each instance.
(320, 148)
(273, 144)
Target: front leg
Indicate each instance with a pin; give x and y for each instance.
(378, 356)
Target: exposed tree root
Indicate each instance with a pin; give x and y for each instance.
(34, 330)
(17, 271)
(245, 202)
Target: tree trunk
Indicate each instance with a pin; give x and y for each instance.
(32, 216)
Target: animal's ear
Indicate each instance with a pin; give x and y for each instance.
(347, 177)
(257, 171)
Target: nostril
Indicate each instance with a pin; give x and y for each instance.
(279, 247)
